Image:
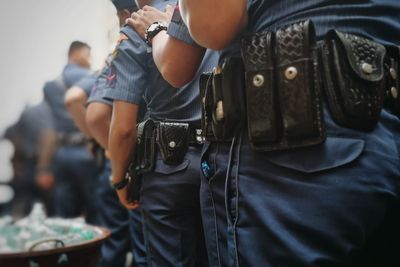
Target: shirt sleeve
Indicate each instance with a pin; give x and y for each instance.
(127, 74)
(99, 90)
(87, 83)
(73, 74)
(178, 29)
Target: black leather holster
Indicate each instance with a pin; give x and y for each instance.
(222, 96)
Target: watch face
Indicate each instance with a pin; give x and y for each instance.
(153, 27)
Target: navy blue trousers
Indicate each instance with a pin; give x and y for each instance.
(76, 174)
(171, 211)
(125, 226)
(335, 204)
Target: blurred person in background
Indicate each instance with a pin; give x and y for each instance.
(65, 164)
(25, 138)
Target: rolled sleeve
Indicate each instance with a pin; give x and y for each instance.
(127, 76)
(178, 29)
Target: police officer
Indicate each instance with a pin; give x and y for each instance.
(171, 51)
(92, 114)
(74, 169)
(169, 192)
(25, 137)
(332, 200)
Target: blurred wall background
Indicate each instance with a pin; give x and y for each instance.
(34, 40)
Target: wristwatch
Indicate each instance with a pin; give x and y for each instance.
(122, 184)
(153, 30)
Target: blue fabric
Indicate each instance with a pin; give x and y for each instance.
(169, 199)
(30, 125)
(76, 173)
(99, 90)
(87, 83)
(125, 226)
(336, 204)
(73, 73)
(363, 17)
(178, 29)
(54, 94)
(138, 243)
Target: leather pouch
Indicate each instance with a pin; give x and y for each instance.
(173, 141)
(145, 146)
(283, 92)
(353, 79)
(227, 99)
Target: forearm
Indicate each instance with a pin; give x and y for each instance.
(98, 119)
(47, 147)
(214, 23)
(177, 61)
(122, 138)
(75, 101)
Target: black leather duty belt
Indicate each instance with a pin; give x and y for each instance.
(278, 84)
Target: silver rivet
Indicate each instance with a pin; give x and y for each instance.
(291, 73)
(172, 144)
(258, 80)
(219, 111)
(393, 73)
(367, 68)
(394, 92)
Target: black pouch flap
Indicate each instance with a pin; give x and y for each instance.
(353, 73)
(173, 141)
(364, 56)
(257, 53)
(145, 146)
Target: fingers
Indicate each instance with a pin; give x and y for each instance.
(169, 9)
(132, 206)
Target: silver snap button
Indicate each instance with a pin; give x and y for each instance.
(291, 73)
(367, 68)
(172, 144)
(258, 80)
(394, 92)
(219, 111)
(393, 73)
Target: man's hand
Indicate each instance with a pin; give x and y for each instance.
(123, 196)
(45, 180)
(140, 21)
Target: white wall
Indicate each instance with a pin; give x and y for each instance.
(34, 39)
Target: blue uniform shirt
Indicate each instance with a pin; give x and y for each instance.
(375, 19)
(134, 76)
(54, 93)
(87, 83)
(98, 92)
